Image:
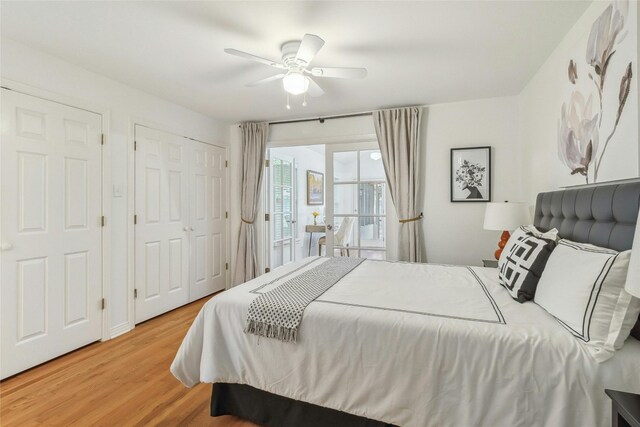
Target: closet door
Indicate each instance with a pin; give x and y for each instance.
(162, 222)
(51, 276)
(208, 210)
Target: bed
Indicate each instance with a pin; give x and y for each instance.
(418, 344)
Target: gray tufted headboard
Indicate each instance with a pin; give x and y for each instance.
(603, 215)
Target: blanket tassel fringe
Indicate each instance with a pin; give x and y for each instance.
(271, 331)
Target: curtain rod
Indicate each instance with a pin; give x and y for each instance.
(321, 119)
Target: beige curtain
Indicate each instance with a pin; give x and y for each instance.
(254, 146)
(398, 132)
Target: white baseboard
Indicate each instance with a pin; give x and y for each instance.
(120, 329)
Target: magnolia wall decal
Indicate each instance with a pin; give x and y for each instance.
(581, 127)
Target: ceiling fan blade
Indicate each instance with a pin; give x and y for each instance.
(267, 80)
(309, 47)
(251, 57)
(339, 72)
(314, 89)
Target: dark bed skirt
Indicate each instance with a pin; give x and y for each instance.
(268, 409)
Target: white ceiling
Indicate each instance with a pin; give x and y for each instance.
(416, 52)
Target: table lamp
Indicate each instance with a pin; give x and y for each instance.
(505, 216)
(633, 276)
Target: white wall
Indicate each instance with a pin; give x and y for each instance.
(541, 100)
(125, 105)
(453, 231)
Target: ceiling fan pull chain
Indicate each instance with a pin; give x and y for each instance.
(304, 99)
(288, 105)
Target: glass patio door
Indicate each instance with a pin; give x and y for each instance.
(356, 201)
(282, 210)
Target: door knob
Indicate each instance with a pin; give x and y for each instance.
(329, 227)
(191, 228)
(185, 228)
(6, 246)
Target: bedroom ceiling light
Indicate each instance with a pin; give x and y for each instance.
(297, 75)
(295, 83)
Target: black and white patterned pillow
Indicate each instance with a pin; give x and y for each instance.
(522, 264)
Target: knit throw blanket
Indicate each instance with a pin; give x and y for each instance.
(278, 312)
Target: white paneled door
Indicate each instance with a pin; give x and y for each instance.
(207, 201)
(51, 238)
(162, 223)
(180, 233)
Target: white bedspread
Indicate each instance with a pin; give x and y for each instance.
(413, 345)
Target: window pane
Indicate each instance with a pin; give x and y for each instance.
(371, 199)
(346, 252)
(277, 226)
(286, 226)
(277, 171)
(345, 199)
(345, 166)
(286, 173)
(371, 167)
(286, 199)
(372, 232)
(277, 199)
(345, 231)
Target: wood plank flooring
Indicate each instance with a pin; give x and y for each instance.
(121, 382)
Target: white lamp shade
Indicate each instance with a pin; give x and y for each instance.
(506, 216)
(633, 276)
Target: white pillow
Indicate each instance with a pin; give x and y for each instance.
(582, 286)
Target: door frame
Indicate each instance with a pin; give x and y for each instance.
(390, 218)
(105, 184)
(131, 173)
(266, 207)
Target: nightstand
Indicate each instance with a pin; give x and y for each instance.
(493, 263)
(625, 409)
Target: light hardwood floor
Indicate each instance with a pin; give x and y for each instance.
(121, 382)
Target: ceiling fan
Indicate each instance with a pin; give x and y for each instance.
(297, 76)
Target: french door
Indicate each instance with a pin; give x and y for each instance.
(357, 201)
(51, 278)
(283, 209)
(180, 231)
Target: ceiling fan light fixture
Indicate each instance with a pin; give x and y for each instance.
(295, 83)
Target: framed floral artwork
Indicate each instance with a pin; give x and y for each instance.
(471, 174)
(597, 130)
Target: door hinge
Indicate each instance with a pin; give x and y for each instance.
(226, 265)
(103, 304)
(266, 217)
(102, 220)
(135, 145)
(226, 163)
(135, 219)
(266, 163)
(226, 214)
(102, 140)
(266, 270)
(135, 293)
